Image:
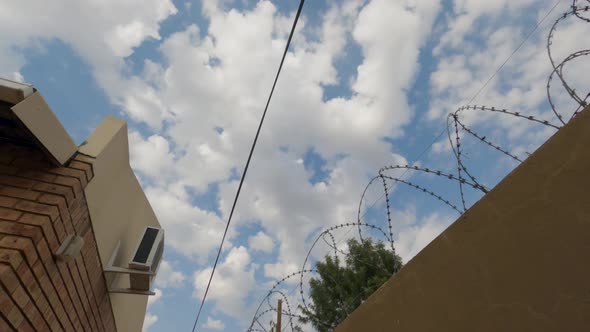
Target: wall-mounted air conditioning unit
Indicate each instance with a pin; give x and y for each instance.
(143, 266)
(147, 257)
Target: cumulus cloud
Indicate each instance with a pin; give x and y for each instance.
(150, 318)
(214, 324)
(469, 56)
(150, 156)
(193, 232)
(18, 77)
(261, 242)
(154, 298)
(413, 237)
(279, 270)
(234, 278)
(111, 30)
(193, 114)
(468, 12)
(213, 110)
(168, 277)
(149, 321)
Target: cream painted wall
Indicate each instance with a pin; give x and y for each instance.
(36, 115)
(119, 211)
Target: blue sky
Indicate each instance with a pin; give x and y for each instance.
(366, 84)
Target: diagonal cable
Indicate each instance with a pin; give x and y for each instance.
(248, 161)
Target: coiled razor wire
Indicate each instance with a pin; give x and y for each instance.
(463, 177)
(578, 12)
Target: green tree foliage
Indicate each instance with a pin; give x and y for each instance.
(341, 288)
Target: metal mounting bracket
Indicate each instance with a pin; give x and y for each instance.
(110, 268)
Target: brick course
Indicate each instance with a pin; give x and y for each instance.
(40, 205)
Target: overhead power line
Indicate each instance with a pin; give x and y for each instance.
(248, 162)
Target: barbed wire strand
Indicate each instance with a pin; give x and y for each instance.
(461, 168)
(437, 137)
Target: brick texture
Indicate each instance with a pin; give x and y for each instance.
(40, 205)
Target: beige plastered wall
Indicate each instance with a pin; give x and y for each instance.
(119, 211)
(518, 260)
(38, 118)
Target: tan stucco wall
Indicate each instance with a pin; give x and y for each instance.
(119, 211)
(14, 92)
(36, 115)
(516, 261)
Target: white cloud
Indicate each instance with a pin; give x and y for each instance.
(149, 320)
(151, 156)
(168, 277)
(102, 32)
(202, 104)
(222, 96)
(142, 104)
(467, 13)
(412, 238)
(190, 231)
(279, 270)
(154, 298)
(213, 324)
(234, 278)
(261, 242)
(17, 76)
(478, 38)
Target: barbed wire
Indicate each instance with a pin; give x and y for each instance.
(577, 12)
(288, 313)
(558, 69)
(463, 178)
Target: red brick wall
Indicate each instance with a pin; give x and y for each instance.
(39, 206)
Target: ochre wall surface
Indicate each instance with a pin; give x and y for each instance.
(518, 260)
(39, 206)
(120, 212)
